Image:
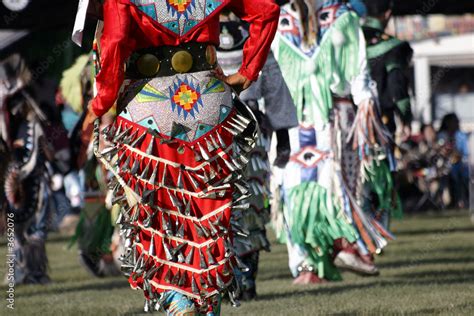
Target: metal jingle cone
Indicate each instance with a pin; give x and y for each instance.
(194, 287)
(222, 229)
(204, 178)
(109, 150)
(190, 256)
(119, 218)
(118, 199)
(212, 172)
(153, 175)
(209, 278)
(176, 278)
(168, 254)
(137, 189)
(218, 167)
(233, 301)
(211, 195)
(179, 181)
(225, 270)
(175, 201)
(138, 263)
(229, 250)
(146, 287)
(114, 131)
(214, 231)
(243, 118)
(244, 206)
(241, 198)
(214, 142)
(147, 221)
(139, 139)
(199, 231)
(241, 265)
(221, 141)
(180, 231)
(147, 193)
(151, 273)
(144, 174)
(228, 179)
(106, 129)
(149, 149)
(163, 176)
(182, 279)
(203, 152)
(119, 137)
(151, 249)
(192, 180)
(168, 276)
(237, 164)
(128, 242)
(158, 306)
(237, 127)
(114, 186)
(178, 249)
(229, 165)
(203, 283)
(135, 166)
(245, 148)
(220, 284)
(236, 121)
(136, 213)
(210, 258)
(197, 156)
(127, 233)
(209, 145)
(243, 160)
(206, 231)
(233, 132)
(126, 164)
(202, 261)
(146, 307)
(241, 188)
(187, 210)
(128, 139)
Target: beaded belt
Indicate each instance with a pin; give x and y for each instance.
(170, 60)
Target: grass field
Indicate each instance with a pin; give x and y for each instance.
(428, 270)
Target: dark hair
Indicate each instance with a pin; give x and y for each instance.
(447, 120)
(378, 7)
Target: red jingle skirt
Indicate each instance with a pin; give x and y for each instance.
(185, 166)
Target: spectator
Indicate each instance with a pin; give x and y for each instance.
(456, 141)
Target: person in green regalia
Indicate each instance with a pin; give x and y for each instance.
(389, 59)
(321, 51)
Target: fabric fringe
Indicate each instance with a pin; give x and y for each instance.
(317, 222)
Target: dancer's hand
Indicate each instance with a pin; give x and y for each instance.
(236, 81)
(406, 132)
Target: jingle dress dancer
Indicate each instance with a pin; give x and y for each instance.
(179, 142)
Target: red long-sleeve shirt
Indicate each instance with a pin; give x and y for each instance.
(127, 28)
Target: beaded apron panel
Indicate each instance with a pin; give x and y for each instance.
(184, 106)
(179, 16)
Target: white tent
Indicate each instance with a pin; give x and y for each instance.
(446, 52)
